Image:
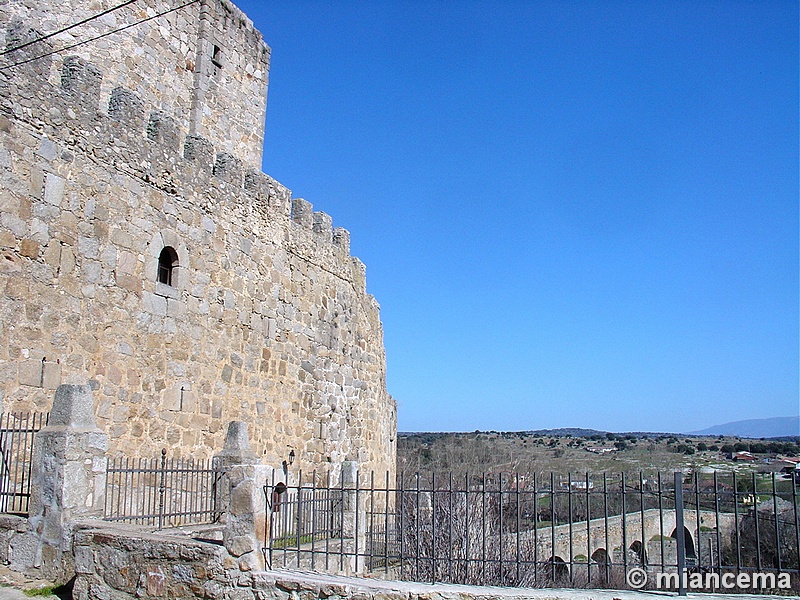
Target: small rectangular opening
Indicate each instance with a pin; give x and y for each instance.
(216, 56)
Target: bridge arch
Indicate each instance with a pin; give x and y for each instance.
(557, 568)
(691, 554)
(639, 549)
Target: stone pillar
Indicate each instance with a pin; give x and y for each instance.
(240, 498)
(68, 480)
(354, 518)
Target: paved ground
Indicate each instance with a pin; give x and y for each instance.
(12, 584)
(12, 594)
(498, 593)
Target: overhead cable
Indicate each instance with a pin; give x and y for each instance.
(97, 37)
(67, 28)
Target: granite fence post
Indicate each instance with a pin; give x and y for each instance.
(354, 518)
(68, 483)
(240, 498)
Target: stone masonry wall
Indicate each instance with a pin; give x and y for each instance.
(267, 319)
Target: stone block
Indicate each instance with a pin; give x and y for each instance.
(172, 400)
(154, 304)
(54, 189)
(84, 560)
(22, 551)
(127, 282)
(51, 375)
(240, 545)
(29, 248)
(52, 254)
(341, 238)
(323, 225)
(303, 212)
(73, 406)
(30, 373)
(176, 308)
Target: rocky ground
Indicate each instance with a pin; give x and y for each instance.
(15, 586)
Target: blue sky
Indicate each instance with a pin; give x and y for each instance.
(573, 214)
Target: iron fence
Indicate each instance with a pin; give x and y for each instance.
(161, 492)
(513, 529)
(16, 458)
(305, 522)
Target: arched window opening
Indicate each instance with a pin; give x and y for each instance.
(167, 261)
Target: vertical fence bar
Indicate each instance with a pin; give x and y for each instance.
(624, 516)
(401, 503)
(434, 537)
(736, 521)
(357, 524)
(777, 527)
(500, 527)
(298, 519)
(535, 532)
(386, 525)
(371, 528)
(268, 530)
(341, 516)
(680, 532)
(755, 519)
(643, 543)
(717, 523)
(314, 509)
(15, 442)
(588, 530)
(552, 558)
(23, 467)
(5, 476)
(519, 525)
(698, 549)
(419, 531)
(661, 522)
(450, 528)
(467, 527)
(571, 535)
(162, 488)
(609, 551)
(794, 475)
(483, 525)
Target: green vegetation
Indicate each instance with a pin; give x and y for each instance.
(41, 591)
(291, 541)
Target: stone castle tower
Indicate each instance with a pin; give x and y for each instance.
(143, 250)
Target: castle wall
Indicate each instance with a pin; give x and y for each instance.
(266, 320)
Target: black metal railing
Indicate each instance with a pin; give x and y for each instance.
(304, 521)
(16, 459)
(513, 529)
(161, 492)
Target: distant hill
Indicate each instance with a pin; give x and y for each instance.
(756, 428)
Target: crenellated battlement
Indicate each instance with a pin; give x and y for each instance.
(147, 141)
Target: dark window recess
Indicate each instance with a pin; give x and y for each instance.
(167, 261)
(216, 56)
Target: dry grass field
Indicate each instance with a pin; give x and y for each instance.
(563, 453)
